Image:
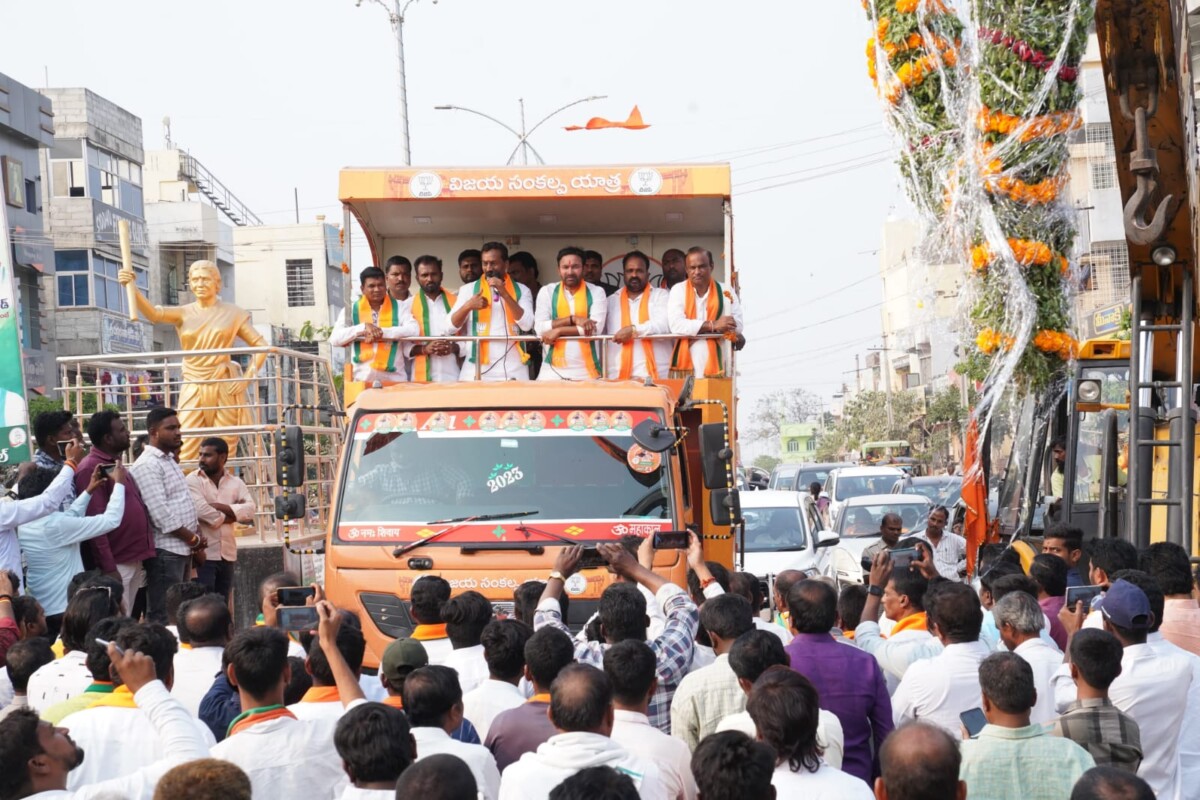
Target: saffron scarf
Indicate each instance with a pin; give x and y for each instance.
(582, 308)
(714, 309)
(394, 701)
(425, 633)
(380, 355)
(626, 368)
(256, 715)
(321, 694)
(913, 622)
(482, 320)
(120, 697)
(422, 365)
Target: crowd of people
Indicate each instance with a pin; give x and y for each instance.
(394, 333)
(915, 684)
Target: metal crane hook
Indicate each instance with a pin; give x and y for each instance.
(1143, 163)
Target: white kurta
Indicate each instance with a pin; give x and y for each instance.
(504, 358)
(575, 368)
(443, 369)
(681, 325)
(345, 335)
(657, 324)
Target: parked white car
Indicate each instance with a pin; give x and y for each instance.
(847, 482)
(857, 524)
(783, 531)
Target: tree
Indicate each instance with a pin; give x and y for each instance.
(767, 462)
(865, 419)
(779, 408)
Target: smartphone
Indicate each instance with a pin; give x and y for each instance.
(1082, 594)
(294, 595)
(62, 447)
(671, 540)
(107, 469)
(297, 618)
(973, 720)
(591, 559)
(902, 558)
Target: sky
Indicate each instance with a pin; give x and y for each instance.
(274, 96)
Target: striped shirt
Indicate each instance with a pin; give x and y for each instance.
(1110, 735)
(167, 499)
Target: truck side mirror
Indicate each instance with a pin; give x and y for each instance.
(289, 456)
(715, 458)
(724, 506)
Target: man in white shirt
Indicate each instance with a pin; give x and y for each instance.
(433, 702)
(1189, 732)
(428, 594)
(707, 695)
(376, 321)
(939, 689)
(69, 676)
(701, 305)
(504, 650)
(284, 757)
(494, 305)
(630, 666)
(1152, 687)
(753, 654)
(900, 595)
(117, 736)
(376, 745)
(637, 311)
(949, 549)
(435, 361)
(731, 764)
(1019, 620)
(564, 312)
(208, 625)
(581, 708)
(466, 616)
(39, 757)
(784, 706)
(398, 274)
(324, 700)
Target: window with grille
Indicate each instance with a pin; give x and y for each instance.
(1103, 173)
(300, 283)
(793, 446)
(1109, 262)
(1101, 133)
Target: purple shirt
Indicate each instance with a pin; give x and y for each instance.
(851, 686)
(1050, 607)
(518, 731)
(130, 541)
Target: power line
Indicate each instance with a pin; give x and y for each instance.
(845, 162)
(829, 174)
(812, 300)
(778, 146)
(820, 323)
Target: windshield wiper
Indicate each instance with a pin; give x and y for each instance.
(455, 524)
(484, 517)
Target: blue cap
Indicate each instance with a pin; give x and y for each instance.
(1125, 606)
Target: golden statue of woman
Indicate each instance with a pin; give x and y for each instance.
(209, 397)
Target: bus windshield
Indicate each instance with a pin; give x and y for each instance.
(581, 477)
(1114, 389)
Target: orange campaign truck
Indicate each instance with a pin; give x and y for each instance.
(483, 483)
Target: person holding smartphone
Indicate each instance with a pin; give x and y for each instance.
(51, 544)
(54, 431)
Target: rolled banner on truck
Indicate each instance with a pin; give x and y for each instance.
(14, 411)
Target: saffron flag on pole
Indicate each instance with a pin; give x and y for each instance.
(634, 123)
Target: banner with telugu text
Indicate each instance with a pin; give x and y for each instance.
(14, 411)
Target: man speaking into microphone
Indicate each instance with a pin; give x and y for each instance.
(497, 307)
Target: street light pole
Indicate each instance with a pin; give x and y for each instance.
(523, 145)
(396, 18)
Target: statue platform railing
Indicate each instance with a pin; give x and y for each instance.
(292, 387)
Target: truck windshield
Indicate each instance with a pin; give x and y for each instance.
(1114, 389)
(582, 480)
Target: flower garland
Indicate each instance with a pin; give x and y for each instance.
(913, 61)
(1026, 70)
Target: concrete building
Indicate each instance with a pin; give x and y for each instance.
(919, 318)
(26, 130)
(289, 275)
(1094, 191)
(797, 442)
(95, 181)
